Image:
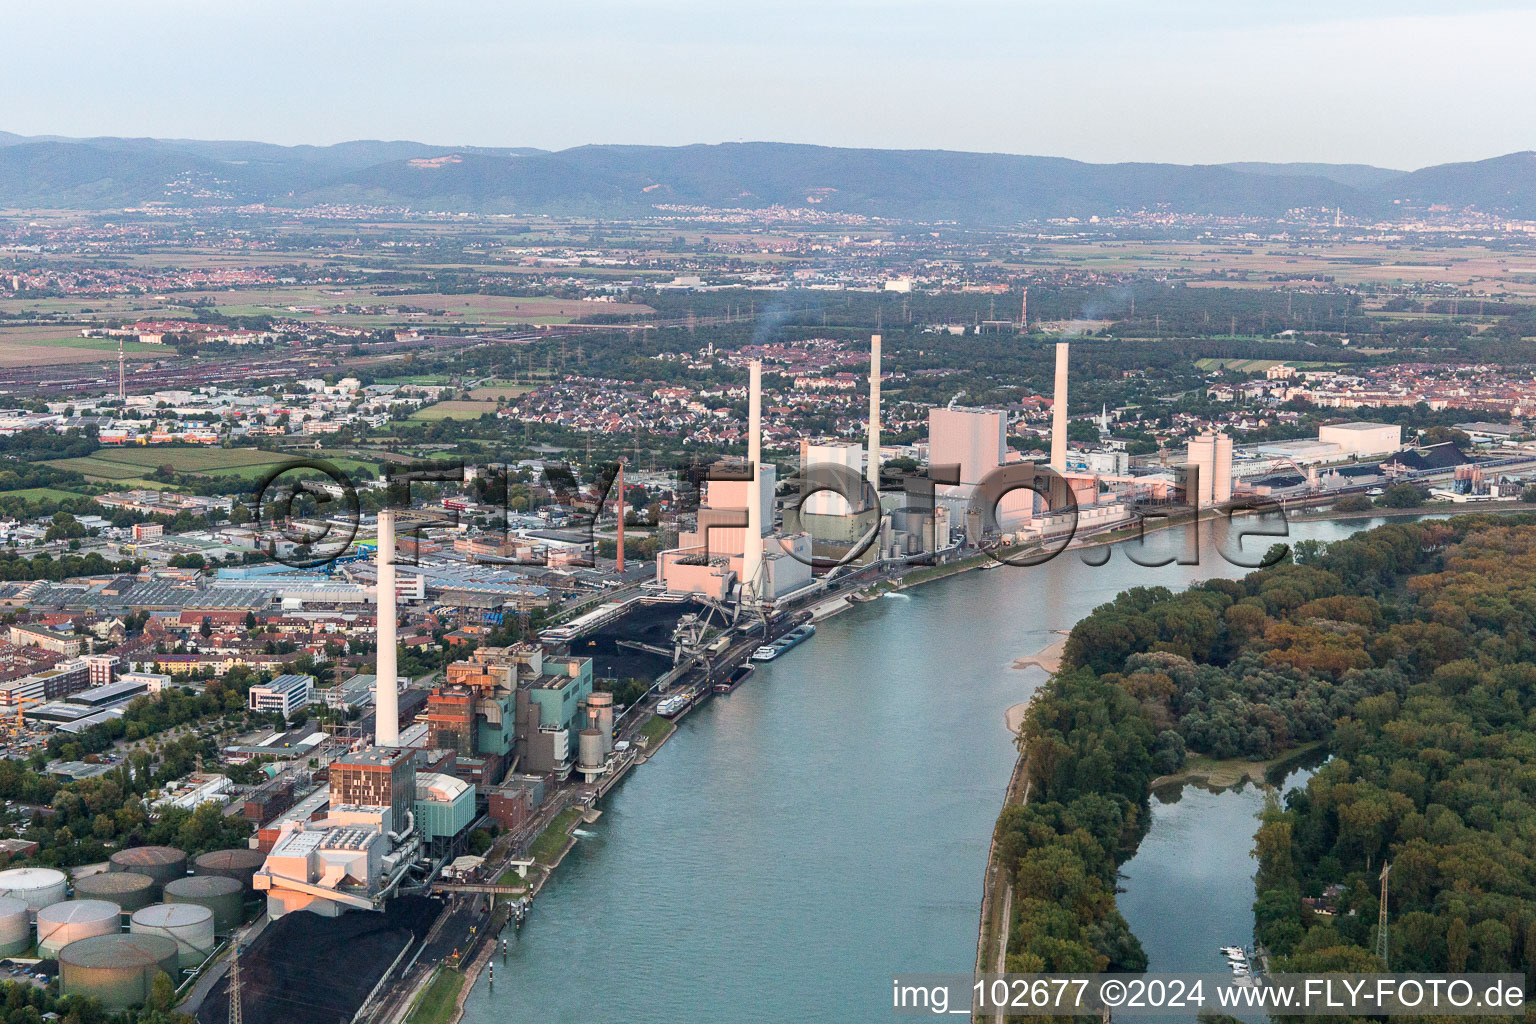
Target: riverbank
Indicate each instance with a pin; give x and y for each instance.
(1047, 658)
(1444, 508)
(997, 891)
(1137, 529)
(1131, 530)
(1209, 774)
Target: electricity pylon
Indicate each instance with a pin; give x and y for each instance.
(1381, 921)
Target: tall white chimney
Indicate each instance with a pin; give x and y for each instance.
(1059, 412)
(752, 552)
(386, 702)
(872, 469)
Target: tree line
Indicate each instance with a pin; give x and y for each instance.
(1406, 651)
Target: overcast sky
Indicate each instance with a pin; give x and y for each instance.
(1397, 84)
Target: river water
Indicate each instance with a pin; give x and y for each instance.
(798, 841)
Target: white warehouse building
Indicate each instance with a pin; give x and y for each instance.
(1362, 439)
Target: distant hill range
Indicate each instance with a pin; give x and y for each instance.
(924, 185)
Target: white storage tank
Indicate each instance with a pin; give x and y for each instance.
(37, 887)
(71, 920)
(189, 924)
(15, 926)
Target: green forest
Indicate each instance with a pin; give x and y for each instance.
(1406, 650)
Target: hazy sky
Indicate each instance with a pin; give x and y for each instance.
(1391, 83)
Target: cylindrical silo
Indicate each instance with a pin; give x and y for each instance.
(38, 887)
(117, 969)
(224, 896)
(240, 864)
(162, 863)
(189, 924)
(589, 748)
(72, 920)
(601, 703)
(15, 926)
(128, 889)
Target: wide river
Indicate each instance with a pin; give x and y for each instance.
(826, 825)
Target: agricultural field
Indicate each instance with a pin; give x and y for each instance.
(371, 457)
(1258, 365)
(1501, 274)
(40, 494)
(360, 306)
(491, 392)
(52, 346)
(353, 305)
(452, 410)
(1238, 365)
(120, 465)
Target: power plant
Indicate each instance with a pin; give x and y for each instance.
(734, 555)
(364, 847)
(360, 851)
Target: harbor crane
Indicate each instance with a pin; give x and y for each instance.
(693, 630)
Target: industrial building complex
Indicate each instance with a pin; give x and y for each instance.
(391, 806)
